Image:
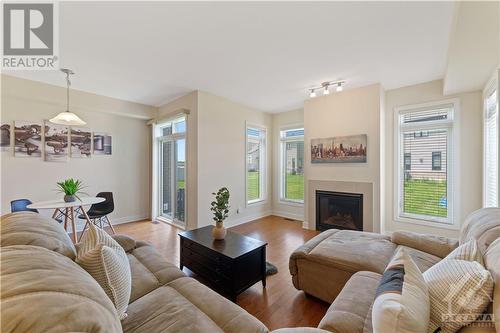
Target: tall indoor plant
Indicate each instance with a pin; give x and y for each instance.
(70, 188)
(220, 208)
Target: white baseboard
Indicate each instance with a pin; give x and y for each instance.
(288, 215)
(114, 221)
(246, 219)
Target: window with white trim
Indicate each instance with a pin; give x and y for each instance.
(491, 148)
(255, 164)
(425, 163)
(171, 143)
(292, 165)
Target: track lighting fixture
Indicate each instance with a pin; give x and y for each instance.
(325, 86)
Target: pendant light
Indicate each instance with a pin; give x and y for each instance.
(67, 118)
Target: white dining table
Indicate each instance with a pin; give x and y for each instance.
(67, 209)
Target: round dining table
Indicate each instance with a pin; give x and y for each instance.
(67, 209)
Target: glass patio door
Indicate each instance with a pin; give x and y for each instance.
(172, 172)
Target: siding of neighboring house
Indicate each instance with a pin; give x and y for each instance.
(421, 148)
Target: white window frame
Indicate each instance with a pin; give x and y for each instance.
(490, 87)
(262, 165)
(282, 164)
(157, 174)
(452, 166)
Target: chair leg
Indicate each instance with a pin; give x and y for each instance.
(110, 225)
(83, 231)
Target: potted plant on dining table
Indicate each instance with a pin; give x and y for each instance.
(70, 188)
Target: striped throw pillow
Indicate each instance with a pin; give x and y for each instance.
(459, 291)
(402, 300)
(103, 258)
(468, 251)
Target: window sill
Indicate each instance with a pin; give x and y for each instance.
(257, 202)
(427, 223)
(171, 222)
(292, 203)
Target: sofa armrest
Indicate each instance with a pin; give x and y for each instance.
(126, 242)
(436, 245)
(300, 330)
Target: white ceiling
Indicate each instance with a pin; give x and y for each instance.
(264, 55)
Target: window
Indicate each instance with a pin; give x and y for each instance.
(436, 160)
(292, 165)
(491, 148)
(407, 161)
(171, 138)
(424, 177)
(255, 164)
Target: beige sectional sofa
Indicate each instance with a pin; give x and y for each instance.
(344, 267)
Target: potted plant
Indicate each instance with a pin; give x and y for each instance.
(70, 188)
(220, 208)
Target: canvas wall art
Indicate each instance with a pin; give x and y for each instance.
(102, 144)
(56, 142)
(5, 137)
(27, 139)
(342, 149)
(81, 142)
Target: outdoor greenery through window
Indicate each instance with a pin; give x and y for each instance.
(255, 163)
(425, 163)
(292, 162)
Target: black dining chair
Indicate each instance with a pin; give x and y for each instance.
(98, 213)
(20, 205)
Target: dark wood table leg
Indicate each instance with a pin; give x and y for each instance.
(263, 266)
(181, 264)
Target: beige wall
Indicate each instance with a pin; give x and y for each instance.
(469, 179)
(187, 103)
(221, 157)
(126, 172)
(281, 120)
(354, 111)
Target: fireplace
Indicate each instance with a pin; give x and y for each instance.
(339, 210)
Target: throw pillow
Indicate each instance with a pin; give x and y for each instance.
(103, 258)
(459, 291)
(468, 251)
(402, 301)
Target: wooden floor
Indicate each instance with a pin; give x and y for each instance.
(279, 304)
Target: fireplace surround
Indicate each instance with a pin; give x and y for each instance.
(339, 210)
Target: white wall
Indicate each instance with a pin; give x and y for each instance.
(469, 181)
(126, 172)
(351, 112)
(280, 121)
(221, 157)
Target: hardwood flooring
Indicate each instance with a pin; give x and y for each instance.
(279, 304)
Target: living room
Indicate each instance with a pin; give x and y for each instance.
(250, 166)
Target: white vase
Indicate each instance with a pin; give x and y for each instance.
(219, 232)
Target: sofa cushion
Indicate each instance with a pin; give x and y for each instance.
(29, 228)
(106, 261)
(185, 305)
(435, 245)
(44, 291)
(149, 270)
(423, 260)
(354, 251)
(351, 310)
(482, 225)
(402, 300)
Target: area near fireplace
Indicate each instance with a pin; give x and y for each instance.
(339, 210)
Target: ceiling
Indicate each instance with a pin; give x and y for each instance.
(261, 54)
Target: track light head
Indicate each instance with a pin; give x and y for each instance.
(326, 91)
(339, 87)
(312, 94)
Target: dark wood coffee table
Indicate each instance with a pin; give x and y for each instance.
(229, 266)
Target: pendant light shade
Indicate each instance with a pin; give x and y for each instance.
(67, 118)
